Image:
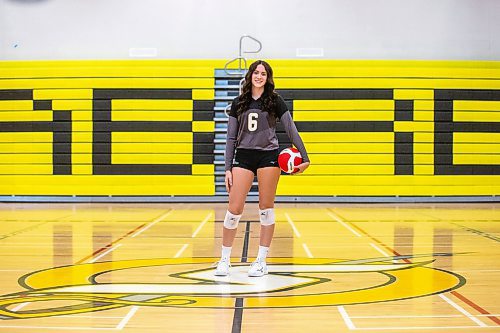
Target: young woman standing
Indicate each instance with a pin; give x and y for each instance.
(251, 132)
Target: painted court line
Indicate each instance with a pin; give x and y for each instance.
(420, 328)
(41, 246)
(108, 245)
(104, 253)
(29, 228)
(20, 306)
(379, 250)
(309, 254)
(62, 328)
(462, 310)
(475, 306)
(92, 317)
(178, 254)
(410, 316)
(421, 316)
(15, 270)
(297, 233)
(132, 311)
(126, 319)
(140, 231)
(201, 225)
(120, 326)
(454, 293)
(346, 318)
(383, 252)
(336, 218)
(478, 270)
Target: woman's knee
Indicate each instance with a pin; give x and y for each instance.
(266, 205)
(236, 209)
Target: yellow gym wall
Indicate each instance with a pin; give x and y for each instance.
(139, 128)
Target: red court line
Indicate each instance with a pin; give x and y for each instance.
(475, 306)
(113, 242)
(455, 293)
(110, 244)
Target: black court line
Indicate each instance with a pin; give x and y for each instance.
(14, 233)
(244, 255)
(29, 228)
(478, 232)
(238, 305)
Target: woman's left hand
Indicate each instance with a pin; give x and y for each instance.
(302, 167)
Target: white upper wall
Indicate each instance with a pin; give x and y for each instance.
(210, 29)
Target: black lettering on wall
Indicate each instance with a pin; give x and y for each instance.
(104, 126)
(444, 127)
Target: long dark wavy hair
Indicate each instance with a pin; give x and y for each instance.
(269, 96)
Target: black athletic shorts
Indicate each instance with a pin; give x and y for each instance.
(252, 160)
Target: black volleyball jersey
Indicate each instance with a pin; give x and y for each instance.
(256, 129)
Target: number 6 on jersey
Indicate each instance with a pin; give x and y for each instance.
(252, 121)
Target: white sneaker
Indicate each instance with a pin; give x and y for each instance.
(222, 268)
(258, 268)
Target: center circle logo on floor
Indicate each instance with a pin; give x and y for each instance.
(190, 283)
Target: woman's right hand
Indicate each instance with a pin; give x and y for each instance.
(229, 180)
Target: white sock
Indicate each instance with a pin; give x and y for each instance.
(263, 250)
(226, 252)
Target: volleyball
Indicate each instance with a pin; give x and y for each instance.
(289, 159)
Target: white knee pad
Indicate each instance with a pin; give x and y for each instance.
(266, 216)
(231, 221)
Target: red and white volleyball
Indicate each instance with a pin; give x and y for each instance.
(289, 159)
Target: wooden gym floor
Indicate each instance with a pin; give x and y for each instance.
(333, 268)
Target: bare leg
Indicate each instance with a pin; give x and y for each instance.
(242, 182)
(268, 182)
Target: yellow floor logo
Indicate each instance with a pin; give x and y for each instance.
(190, 283)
